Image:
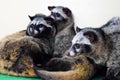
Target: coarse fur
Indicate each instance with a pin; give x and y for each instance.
(43, 28)
(101, 45)
(15, 59)
(67, 68)
(65, 28)
(21, 52)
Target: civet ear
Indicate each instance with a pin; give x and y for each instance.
(77, 29)
(91, 36)
(67, 11)
(50, 20)
(51, 7)
(31, 17)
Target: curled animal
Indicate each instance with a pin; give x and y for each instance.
(20, 52)
(101, 45)
(67, 68)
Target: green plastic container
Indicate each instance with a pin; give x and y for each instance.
(6, 77)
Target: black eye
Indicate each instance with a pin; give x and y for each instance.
(77, 46)
(57, 14)
(52, 13)
(32, 26)
(40, 26)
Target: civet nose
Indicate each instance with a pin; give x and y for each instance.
(68, 54)
(71, 54)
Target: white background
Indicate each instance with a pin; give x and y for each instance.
(87, 13)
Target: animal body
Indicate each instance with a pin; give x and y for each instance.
(43, 28)
(67, 68)
(102, 45)
(65, 28)
(15, 58)
(21, 52)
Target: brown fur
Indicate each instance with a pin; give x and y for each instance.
(19, 56)
(75, 68)
(21, 52)
(16, 62)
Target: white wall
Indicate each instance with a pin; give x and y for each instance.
(94, 13)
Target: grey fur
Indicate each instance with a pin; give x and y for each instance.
(45, 39)
(39, 26)
(113, 25)
(106, 50)
(65, 32)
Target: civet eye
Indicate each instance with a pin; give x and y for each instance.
(32, 26)
(40, 26)
(77, 46)
(52, 13)
(57, 14)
